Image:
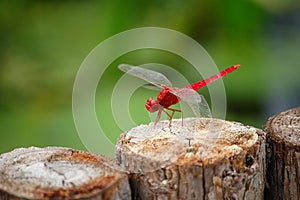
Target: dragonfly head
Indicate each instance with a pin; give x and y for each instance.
(152, 105)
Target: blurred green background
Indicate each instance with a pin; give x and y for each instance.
(43, 43)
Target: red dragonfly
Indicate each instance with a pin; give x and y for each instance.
(169, 95)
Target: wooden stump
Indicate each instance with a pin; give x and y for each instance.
(204, 159)
(283, 159)
(60, 173)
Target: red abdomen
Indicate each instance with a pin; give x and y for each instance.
(166, 99)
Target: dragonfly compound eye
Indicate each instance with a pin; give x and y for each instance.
(152, 105)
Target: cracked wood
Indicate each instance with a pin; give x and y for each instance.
(283, 161)
(60, 173)
(204, 159)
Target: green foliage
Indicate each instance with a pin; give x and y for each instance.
(43, 43)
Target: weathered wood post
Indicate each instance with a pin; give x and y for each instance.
(60, 173)
(283, 158)
(204, 159)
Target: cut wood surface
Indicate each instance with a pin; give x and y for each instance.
(204, 159)
(60, 173)
(283, 160)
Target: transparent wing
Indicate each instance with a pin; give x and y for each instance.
(151, 87)
(196, 101)
(150, 76)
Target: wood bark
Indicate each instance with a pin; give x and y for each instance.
(283, 160)
(60, 173)
(204, 159)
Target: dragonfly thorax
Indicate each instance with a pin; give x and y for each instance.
(166, 98)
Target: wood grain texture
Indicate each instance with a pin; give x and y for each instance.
(283, 160)
(60, 173)
(204, 159)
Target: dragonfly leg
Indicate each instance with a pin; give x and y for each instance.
(173, 111)
(170, 116)
(158, 115)
(181, 118)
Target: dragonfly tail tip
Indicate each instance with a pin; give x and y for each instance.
(237, 66)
